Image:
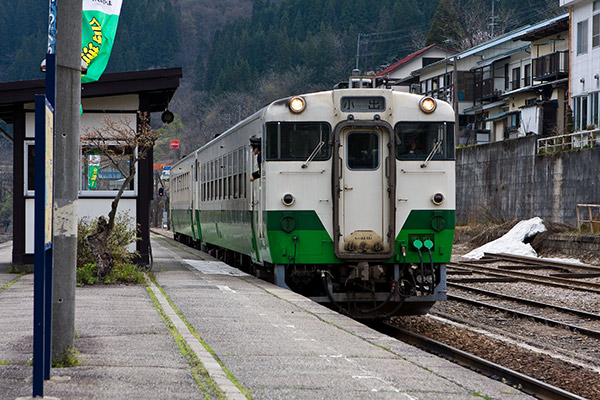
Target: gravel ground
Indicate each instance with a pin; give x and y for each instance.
(570, 377)
(554, 347)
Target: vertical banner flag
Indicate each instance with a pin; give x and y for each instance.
(100, 19)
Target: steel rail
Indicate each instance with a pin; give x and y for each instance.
(541, 279)
(579, 313)
(551, 322)
(495, 371)
(540, 261)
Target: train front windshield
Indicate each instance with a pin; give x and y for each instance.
(416, 140)
(296, 141)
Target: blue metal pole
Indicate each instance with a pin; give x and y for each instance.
(39, 277)
(49, 270)
(51, 96)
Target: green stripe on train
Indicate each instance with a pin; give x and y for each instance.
(181, 222)
(301, 237)
(229, 229)
(436, 225)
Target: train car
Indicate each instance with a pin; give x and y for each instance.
(355, 204)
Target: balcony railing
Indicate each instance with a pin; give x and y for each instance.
(484, 90)
(572, 141)
(551, 66)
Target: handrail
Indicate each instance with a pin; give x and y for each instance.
(573, 141)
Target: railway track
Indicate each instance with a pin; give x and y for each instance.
(508, 274)
(535, 315)
(526, 383)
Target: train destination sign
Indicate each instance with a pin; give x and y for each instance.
(362, 103)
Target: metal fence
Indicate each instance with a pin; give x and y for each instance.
(572, 141)
(588, 219)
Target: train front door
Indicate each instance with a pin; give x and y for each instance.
(365, 205)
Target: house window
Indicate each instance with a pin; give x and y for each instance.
(596, 25)
(595, 108)
(506, 77)
(580, 112)
(582, 33)
(516, 78)
(584, 112)
(527, 76)
(515, 120)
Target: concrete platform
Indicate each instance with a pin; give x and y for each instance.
(241, 338)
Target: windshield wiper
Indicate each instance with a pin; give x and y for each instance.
(313, 154)
(436, 147)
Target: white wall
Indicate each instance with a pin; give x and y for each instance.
(584, 65)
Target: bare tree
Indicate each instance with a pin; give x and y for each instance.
(120, 144)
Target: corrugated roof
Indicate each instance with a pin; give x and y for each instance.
(508, 37)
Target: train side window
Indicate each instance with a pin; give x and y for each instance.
(222, 172)
(210, 180)
(230, 175)
(224, 176)
(241, 168)
(204, 182)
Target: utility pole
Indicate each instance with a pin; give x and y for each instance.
(493, 19)
(357, 51)
(66, 164)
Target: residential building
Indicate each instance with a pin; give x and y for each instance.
(584, 63)
(536, 98)
(401, 71)
(482, 77)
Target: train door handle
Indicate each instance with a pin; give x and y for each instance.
(347, 188)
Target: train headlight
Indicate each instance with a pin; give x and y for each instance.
(288, 199)
(297, 105)
(428, 104)
(437, 199)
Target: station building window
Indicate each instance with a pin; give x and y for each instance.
(106, 169)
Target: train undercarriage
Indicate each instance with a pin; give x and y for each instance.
(363, 290)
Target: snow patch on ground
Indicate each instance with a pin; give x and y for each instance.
(512, 241)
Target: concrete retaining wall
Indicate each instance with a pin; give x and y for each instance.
(507, 180)
(574, 246)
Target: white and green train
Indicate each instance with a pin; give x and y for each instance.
(355, 205)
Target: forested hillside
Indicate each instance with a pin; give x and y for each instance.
(237, 55)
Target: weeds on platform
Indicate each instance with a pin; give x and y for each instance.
(69, 358)
(125, 273)
(200, 374)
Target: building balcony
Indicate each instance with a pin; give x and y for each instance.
(484, 90)
(551, 66)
